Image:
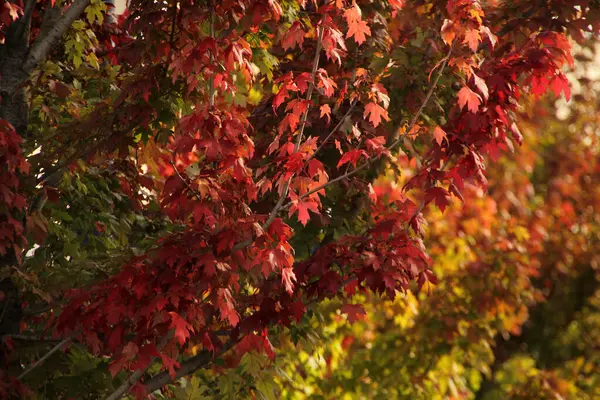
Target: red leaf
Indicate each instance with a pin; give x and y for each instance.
(294, 36)
(182, 328)
(491, 37)
(439, 195)
(561, 84)
(354, 312)
(375, 113)
(226, 306)
(325, 83)
(469, 98)
(170, 364)
(448, 32)
(360, 30)
(303, 207)
(352, 157)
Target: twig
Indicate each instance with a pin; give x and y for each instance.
(44, 357)
(187, 185)
(30, 338)
(334, 130)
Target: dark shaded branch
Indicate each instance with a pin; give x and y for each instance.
(41, 47)
(188, 367)
(45, 357)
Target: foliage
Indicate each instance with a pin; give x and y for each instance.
(208, 179)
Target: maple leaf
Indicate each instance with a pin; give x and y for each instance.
(360, 30)
(439, 195)
(439, 135)
(303, 207)
(226, 306)
(352, 157)
(561, 84)
(181, 326)
(13, 10)
(170, 364)
(396, 4)
(326, 111)
(467, 97)
(355, 312)
(472, 38)
(294, 36)
(448, 33)
(115, 338)
(481, 86)
(116, 366)
(326, 83)
(302, 81)
(356, 26)
(491, 37)
(288, 278)
(375, 113)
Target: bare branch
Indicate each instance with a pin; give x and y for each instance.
(42, 45)
(44, 358)
(187, 185)
(334, 130)
(187, 367)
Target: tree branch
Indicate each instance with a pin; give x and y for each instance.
(334, 130)
(26, 18)
(42, 45)
(44, 358)
(188, 367)
(137, 374)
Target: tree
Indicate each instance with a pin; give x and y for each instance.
(182, 185)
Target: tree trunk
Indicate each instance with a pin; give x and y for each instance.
(14, 109)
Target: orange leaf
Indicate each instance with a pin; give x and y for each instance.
(469, 98)
(360, 30)
(356, 26)
(448, 33)
(439, 135)
(472, 38)
(375, 112)
(326, 111)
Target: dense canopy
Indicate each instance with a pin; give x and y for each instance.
(299, 199)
